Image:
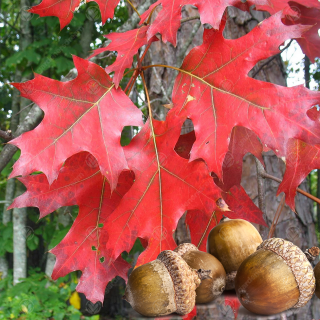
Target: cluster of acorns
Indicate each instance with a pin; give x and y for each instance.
(269, 277)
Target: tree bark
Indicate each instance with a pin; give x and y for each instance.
(86, 37)
(20, 229)
(64, 219)
(10, 186)
(20, 234)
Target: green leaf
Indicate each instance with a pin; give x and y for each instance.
(63, 64)
(33, 242)
(58, 236)
(45, 64)
(32, 56)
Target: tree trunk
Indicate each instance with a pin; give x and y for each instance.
(86, 37)
(20, 229)
(64, 219)
(10, 186)
(20, 234)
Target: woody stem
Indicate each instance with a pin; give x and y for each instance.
(133, 7)
(308, 195)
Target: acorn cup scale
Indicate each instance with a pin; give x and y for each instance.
(163, 286)
(231, 241)
(277, 277)
(212, 287)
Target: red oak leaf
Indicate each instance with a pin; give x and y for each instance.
(200, 224)
(242, 141)
(232, 301)
(301, 158)
(168, 20)
(64, 9)
(106, 8)
(184, 144)
(127, 45)
(81, 183)
(214, 90)
(310, 42)
(241, 206)
(273, 6)
(165, 186)
(84, 114)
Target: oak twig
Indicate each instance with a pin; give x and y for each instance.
(276, 217)
(274, 57)
(261, 198)
(189, 19)
(6, 135)
(9, 24)
(305, 193)
(134, 8)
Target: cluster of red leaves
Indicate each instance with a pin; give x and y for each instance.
(143, 189)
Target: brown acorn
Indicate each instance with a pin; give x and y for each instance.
(164, 286)
(277, 277)
(211, 288)
(231, 241)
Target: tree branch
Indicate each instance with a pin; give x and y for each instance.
(134, 8)
(9, 24)
(307, 194)
(6, 135)
(189, 19)
(270, 60)
(30, 122)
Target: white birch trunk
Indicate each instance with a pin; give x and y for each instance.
(64, 219)
(20, 234)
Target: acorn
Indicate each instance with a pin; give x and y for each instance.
(231, 241)
(277, 277)
(164, 286)
(211, 288)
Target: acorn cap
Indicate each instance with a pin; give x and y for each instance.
(298, 263)
(213, 286)
(183, 248)
(185, 280)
